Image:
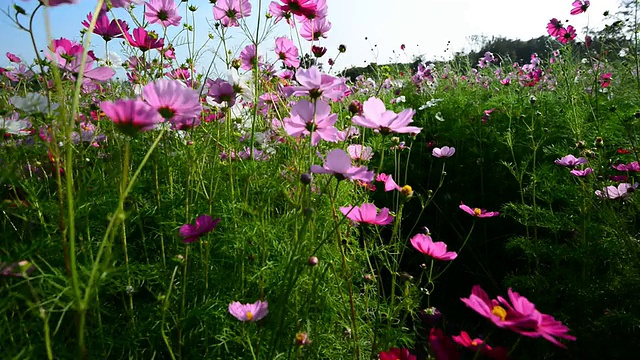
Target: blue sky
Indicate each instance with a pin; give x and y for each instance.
(424, 26)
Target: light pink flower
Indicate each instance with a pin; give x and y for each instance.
(570, 161)
(367, 214)
(315, 29)
(230, 11)
(173, 100)
(287, 52)
(376, 116)
(359, 152)
(316, 85)
(443, 152)
(581, 173)
(338, 163)
(163, 12)
(249, 57)
(477, 212)
(389, 184)
(249, 312)
(437, 250)
(312, 118)
(622, 191)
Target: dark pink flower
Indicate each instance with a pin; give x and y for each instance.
(567, 35)
(441, 345)
(605, 80)
(287, 52)
(192, 232)
(396, 354)
(222, 92)
(443, 152)
(437, 250)
(230, 11)
(477, 212)
(163, 12)
(580, 6)
(105, 28)
(131, 116)
(570, 161)
(498, 353)
(249, 312)
(144, 40)
(367, 214)
(13, 58)
(338, 163)
(632, 166)
(554, 27)
(376, 116)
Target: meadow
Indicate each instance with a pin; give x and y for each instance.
(278, 209)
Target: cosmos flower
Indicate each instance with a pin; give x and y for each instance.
(443, 152)
(477, 212)
(367, 214)
(192, 232)
(249, 312)
(437, 250)
(131, 116)
(163, 12)
(338, 163)
(376, 116)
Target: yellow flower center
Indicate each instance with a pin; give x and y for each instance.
(474, 343)
(249, 315)
(477, 211)
(406, 191)
(500, 312)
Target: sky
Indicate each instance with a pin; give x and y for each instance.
(372, 30)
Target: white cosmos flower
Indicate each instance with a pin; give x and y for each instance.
(32, 103)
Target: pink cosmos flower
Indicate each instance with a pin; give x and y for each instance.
(221, 92)
(58, 2)
(396, 354)
(299, 7)
(389, 184)
(249, 312)
(359, 152)
(481, 213)
(517, 314)
(581, 173)
(338, 163)
(443, 152)
(13, 58)
(441, 346)
(230, 11)
(312, 118)
(105, 28)
(580, 6)
(376, 116)
(131, 116)
(287, 52)
(605, 80)
(367, 214)
(554, 27)
(144, 40)
(123, 3)
(173, 100)
(622, 191)
(498, 353)
(163, 12)
(567, 35)
(437, 250)
(316, 85)
(67, 55)
(249, 57)
(570, 161)
(632, 166)
(192, 232)
(315, 29)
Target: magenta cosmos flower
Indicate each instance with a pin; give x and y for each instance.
(316, 85)
(477, 212)
(315, 119)
(622, 191)
(131, 116)
(632, 166)
(230, 11)
(163, 12)
(518, 314)
(580, 6)
(192, 232)
(567, 35)
(396, 354)
(107, 29)
(287, 52)
(554, 27)
(570, 161)
(173, 100)
(376, 116)
(67, 55)
(443, 152)
(367, 214)
(498, 353)
(249, 312)
(58, 2)
(338, 163)
(437, 250)
(144, 40)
